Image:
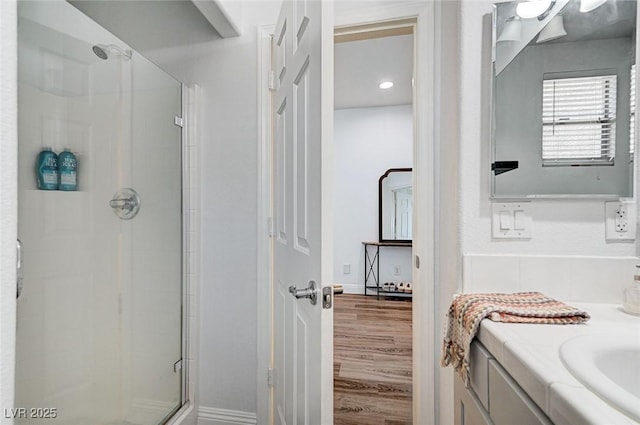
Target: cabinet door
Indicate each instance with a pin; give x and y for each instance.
(467, 408)
(479, 372)
(508, 403)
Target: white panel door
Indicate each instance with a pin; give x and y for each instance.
(303, 336)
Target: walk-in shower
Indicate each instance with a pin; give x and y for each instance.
(99, 331)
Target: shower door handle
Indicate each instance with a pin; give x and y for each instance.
(19, 257)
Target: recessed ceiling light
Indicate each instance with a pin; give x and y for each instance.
(386, 84)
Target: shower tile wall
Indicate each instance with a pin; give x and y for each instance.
(68, 304)
(192, 247)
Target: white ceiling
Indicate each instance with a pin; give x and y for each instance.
(148, 25)
(361, 65)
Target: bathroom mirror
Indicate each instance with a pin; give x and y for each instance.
(563, 98)
(395, 205)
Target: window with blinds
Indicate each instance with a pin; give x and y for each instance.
(579, 120)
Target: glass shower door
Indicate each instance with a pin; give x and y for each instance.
(152, 300)
(99, 336)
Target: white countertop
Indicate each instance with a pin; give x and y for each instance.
(530, 353)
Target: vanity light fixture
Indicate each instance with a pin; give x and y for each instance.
(385, 85)
(511, 31)
(534, 9)
(554, 29)
(589, 5)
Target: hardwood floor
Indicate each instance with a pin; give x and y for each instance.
(372, 361)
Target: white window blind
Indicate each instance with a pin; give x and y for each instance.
(579, 120)
(632, 112)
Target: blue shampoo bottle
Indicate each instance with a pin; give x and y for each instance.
(68, 170)
(47, 170)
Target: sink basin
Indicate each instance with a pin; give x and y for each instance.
(609, 365)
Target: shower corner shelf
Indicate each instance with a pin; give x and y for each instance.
(54, 191)
(372, 268)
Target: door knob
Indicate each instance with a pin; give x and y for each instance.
(310, 292)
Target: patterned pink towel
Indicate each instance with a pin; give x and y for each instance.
(468, 310)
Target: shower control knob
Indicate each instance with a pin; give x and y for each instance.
(125, 203)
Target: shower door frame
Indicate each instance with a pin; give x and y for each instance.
(190, 252)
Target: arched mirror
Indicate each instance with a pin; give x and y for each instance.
(395, 205)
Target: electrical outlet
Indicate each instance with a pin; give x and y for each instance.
(620, 221)
(621, 225)
(346, 268)
(620, 218)
(396, 270)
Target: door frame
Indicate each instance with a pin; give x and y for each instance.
(8, 197)
(265, 227)
(425, 180)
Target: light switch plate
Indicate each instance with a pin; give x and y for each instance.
(511, 220)
(620, 221)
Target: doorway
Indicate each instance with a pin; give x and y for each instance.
(373, 133)
(427, 98)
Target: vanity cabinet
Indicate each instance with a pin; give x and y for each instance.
(467, 408)
(493, 396)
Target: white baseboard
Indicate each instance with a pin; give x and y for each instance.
(353, 288)
(213, 416)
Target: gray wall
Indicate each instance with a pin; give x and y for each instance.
(518, 133)
(227, 72)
